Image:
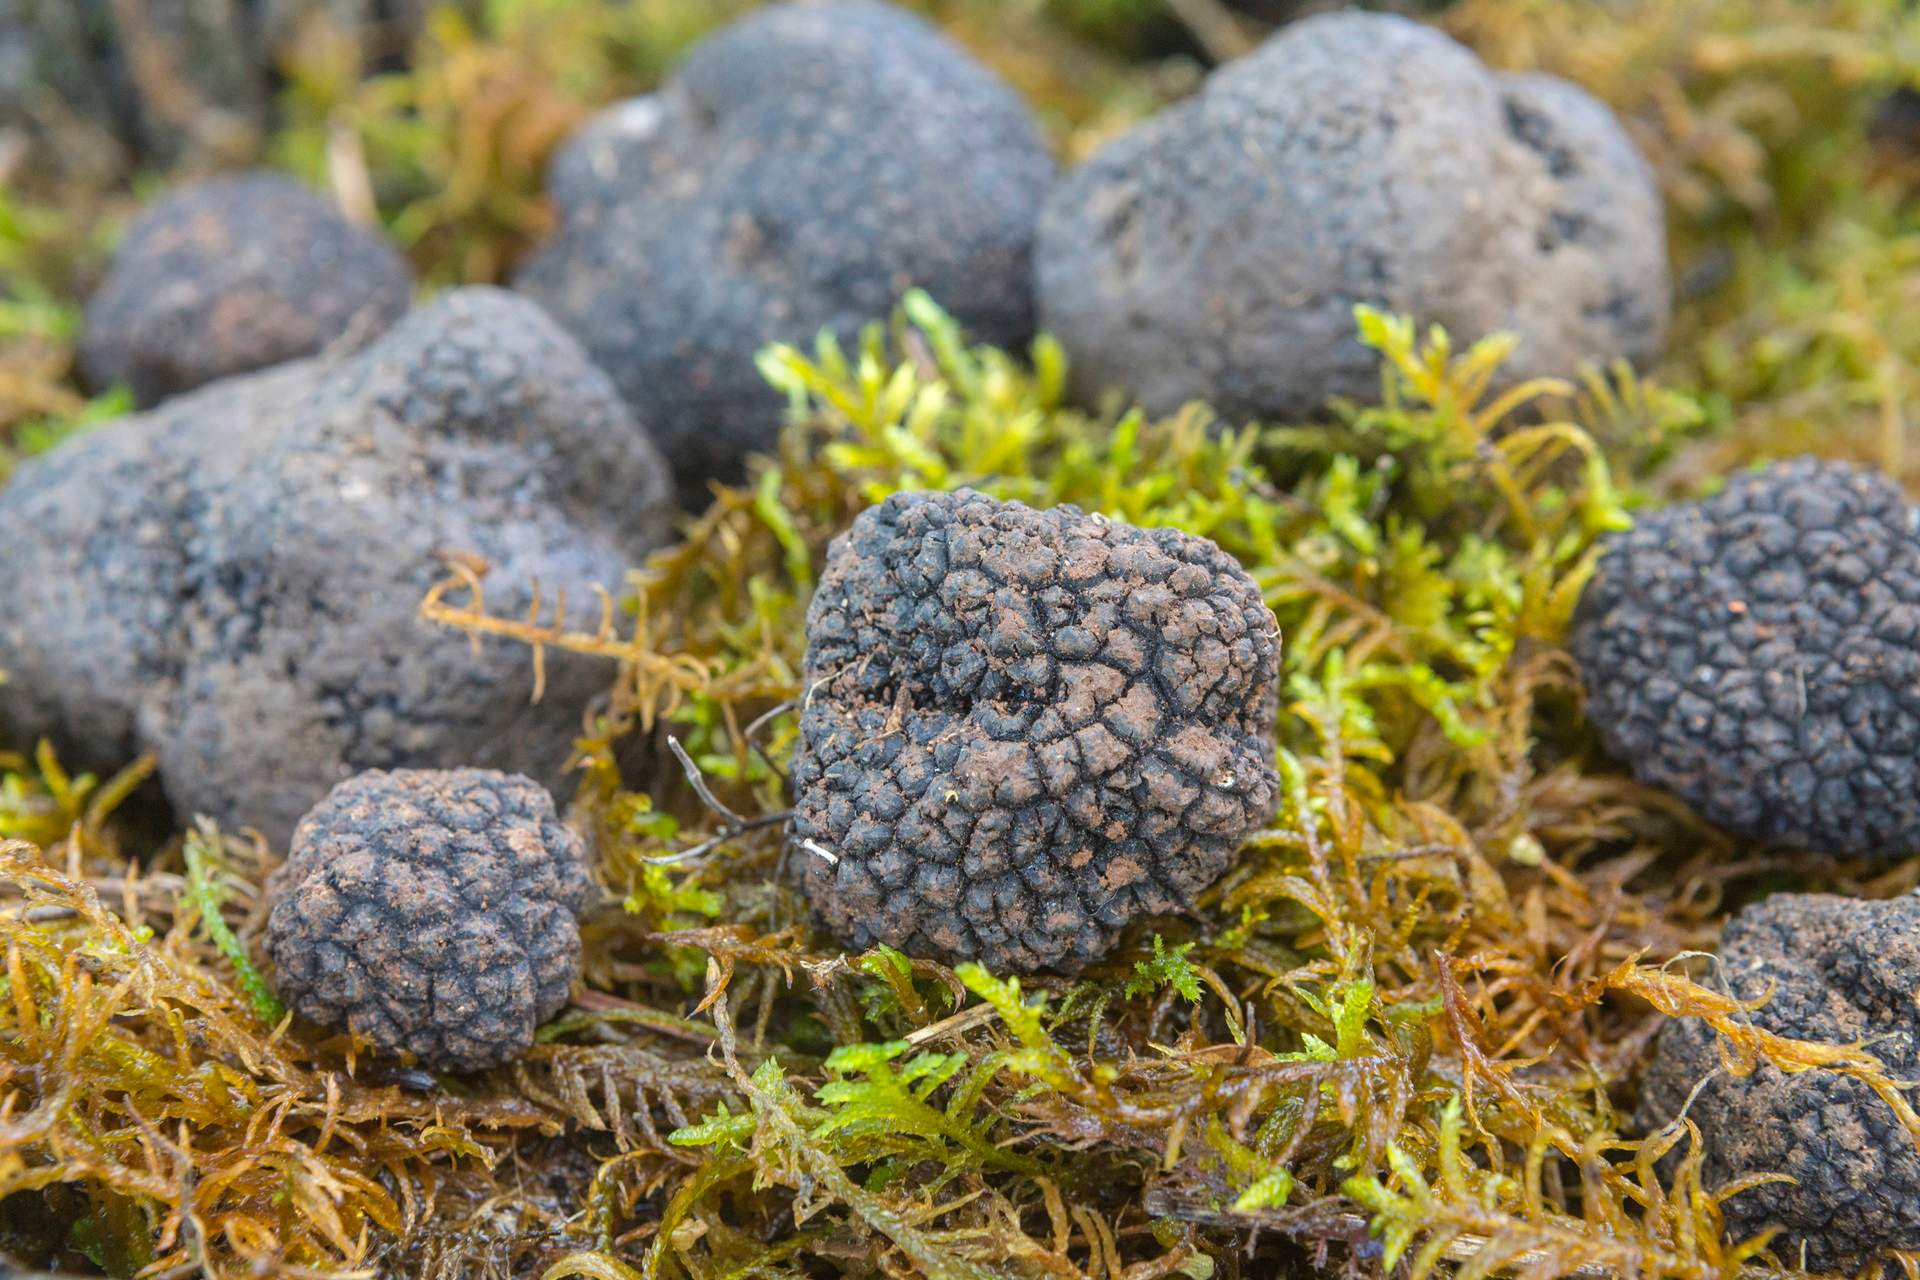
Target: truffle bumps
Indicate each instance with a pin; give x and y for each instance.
(1758, 653)
(1841, 971)
(1216, 252)
(801, 170)
(232, 581)
(233, 275)
(1024, 728)
(432, 911)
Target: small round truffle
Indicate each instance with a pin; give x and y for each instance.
(802, 169)
(1025, 728)
(1841, 971)
(433, 911)
(1758, 654)
(1216, 252)
(233, 275)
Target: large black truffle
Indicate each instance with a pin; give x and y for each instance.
(233, 275)
(1841, 972)
(233, 580)
(431, 911)
(802, 169)
(1216, 252)
(1758, 654)
(1024, 728)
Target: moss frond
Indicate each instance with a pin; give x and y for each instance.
(1402, 1027)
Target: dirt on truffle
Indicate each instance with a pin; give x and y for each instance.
(1840, 971)
(1023, 728)
(233, 275)
(1758, 653)
(431, 911)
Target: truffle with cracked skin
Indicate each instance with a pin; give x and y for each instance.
(232, 275)
(232, 581)
(1841, 971)
(431, 911)
(1025, 728)
(1217, 251)
(1758, 654)
(799, 172)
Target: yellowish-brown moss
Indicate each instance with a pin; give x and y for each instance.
(1413, 1012)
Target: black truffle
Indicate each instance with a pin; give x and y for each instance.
(1758, 653)
(233, 580)
(1841, 972)
(802, 169)
(1024, 728)
(431, 911)
(233, 275)
(1216, 252)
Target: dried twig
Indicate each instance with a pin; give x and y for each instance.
(660, 680)
(733, 826)
(752, 734)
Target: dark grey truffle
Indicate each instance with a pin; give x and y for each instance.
(232, 580)
(1758, 653)
(1025, 728)
(233, 275)
(1841, 972)
(801, 171)
(1216, 252)
(431, 911)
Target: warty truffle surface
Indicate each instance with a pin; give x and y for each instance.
(1840, 971)
(431, 911)
(1758, 654)
(1025, 728)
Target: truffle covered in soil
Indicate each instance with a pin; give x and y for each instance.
(1217, 252)
(233, 275)
(1841, 971)
(1758, 653)
(1025, 728)
(800, 172)
(233, 581)
(431, 911)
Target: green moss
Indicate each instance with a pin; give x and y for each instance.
(1166, 968)
(1404, 1019)
(208, 894)
(1299, 1060)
